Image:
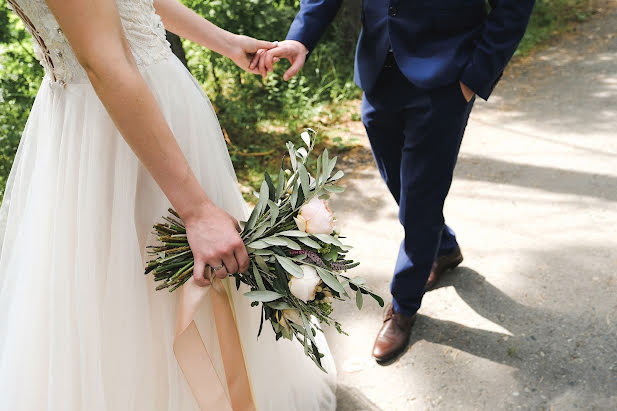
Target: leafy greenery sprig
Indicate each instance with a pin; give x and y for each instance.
(277, 250)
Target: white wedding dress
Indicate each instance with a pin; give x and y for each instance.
(81, 327)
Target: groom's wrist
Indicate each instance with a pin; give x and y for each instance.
(300, 46)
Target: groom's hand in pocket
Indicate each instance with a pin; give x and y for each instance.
(292, 50)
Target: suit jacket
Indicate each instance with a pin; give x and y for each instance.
(435, 42)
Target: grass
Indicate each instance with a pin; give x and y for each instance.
(551, 18)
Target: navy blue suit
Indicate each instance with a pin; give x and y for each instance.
(410, 58)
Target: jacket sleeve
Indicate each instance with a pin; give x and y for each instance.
(312, 20)
(503, 30)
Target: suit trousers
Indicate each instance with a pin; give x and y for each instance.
(415, 135)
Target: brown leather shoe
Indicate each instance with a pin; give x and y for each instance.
(394, 337)
(441, 264)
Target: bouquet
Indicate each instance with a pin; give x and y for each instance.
(297, 260)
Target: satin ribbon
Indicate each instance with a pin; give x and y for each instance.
(193, 358)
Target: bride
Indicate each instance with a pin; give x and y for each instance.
(118, 133)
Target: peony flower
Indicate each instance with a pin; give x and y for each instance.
(315, 217)
(304, 288)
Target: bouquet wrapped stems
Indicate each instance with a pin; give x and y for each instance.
(298, 263)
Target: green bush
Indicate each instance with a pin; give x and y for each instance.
(20, 77)
(245, 101)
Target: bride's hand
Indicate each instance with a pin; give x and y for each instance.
(213, 236)
(243, 51)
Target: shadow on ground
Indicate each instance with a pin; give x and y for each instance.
(350, 398)
(555, 350)
(585, 102)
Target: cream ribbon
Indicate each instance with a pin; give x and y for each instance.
(194, 359)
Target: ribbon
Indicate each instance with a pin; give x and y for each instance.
(209, 390)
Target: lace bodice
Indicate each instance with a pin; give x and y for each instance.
(142, 26)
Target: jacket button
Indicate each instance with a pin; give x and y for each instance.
(392, 11)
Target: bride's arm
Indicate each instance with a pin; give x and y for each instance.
(184, 22)
(96, 35)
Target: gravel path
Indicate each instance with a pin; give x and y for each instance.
(529, 321)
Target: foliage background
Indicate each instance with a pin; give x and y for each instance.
(257, 115)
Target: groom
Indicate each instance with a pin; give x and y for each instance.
(420, 63)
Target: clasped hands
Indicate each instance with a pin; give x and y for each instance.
(264, 59)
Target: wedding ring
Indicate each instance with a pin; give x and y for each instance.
(276, 43)
(218, 267)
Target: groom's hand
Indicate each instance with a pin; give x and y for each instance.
(292, 50)
(467, 92)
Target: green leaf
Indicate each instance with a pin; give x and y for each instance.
(306, 137)
(301, 199)
(274, 212)
(331, 165)
(328, 239)
(324, 163)
(258, 245)
(299, 258)
(274, 241)
(358, 280)
(260, 230)
(271, 190)
(307, 327)
(337, 176)
(332, 255)
(318, 178)
(259, 252)
(294, 195)
(334, 188)
(291, 244)
(261, 263)
(304, 179)
(261, 321)
(330, 280)
(289, 266)
(252, 219)
(293, 233)
(292, 155)
(377, 298)
(262, 296)
(305, 342)
(359, 299)
(302, 153)
(264, 195)
(280, 305)
(309, 242)
(258, 279)
(280, 184)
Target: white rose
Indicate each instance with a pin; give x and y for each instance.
(315, 217)
(304, 288)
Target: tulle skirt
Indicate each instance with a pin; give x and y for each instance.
(81, 327)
